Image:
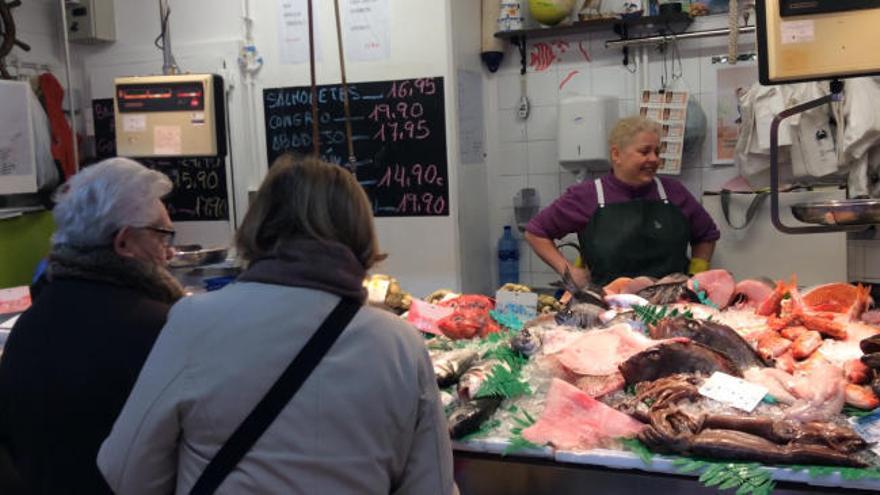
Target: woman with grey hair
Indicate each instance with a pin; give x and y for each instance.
(367, 419)
(73, 357)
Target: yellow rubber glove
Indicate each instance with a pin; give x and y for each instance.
(697, 265)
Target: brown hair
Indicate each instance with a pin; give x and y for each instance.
(304, 197)
(626, 129)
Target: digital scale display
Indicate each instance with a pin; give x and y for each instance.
(161, 97)
(789, 8)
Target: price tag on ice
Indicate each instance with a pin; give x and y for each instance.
(733, 391)
(377, 289)
(523, 305)
(425, 316)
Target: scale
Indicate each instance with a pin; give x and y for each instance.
(817, 40)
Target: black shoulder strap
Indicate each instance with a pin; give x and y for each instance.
(250, 430)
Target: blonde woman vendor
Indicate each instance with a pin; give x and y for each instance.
(630, 222)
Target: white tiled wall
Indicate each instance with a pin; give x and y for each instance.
(524, 155)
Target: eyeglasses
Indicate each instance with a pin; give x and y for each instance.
(167, 234)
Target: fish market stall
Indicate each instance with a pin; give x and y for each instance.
(698, 384)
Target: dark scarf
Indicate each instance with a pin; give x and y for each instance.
(102, 264)
(322, 265)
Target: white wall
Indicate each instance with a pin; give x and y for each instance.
(424, 252)
(429, 38)
(523, 153)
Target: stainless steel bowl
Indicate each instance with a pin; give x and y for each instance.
(195, 255)
(839, 212)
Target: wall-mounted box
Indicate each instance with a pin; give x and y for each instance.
(91, 21)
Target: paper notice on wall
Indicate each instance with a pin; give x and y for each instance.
(293, 31)
(471, 133)
(167, 140)
(366, 28)
(17, 159)
(669, 108)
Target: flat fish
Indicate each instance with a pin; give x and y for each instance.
(669, 358)
(719, 337)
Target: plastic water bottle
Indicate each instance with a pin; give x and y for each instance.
(508, 258)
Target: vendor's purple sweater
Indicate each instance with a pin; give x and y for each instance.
(573, 210)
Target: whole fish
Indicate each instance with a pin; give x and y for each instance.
(719, 337)
(472, 380)
(580, 315)
(669, 358)
(525, 342)
(450, 365)
(468, 417)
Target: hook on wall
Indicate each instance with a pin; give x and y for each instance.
(520, 42)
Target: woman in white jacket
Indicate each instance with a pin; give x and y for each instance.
(367, 420)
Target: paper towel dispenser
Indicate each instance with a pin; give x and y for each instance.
(582, 135)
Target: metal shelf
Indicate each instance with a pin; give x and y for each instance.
(676, 22)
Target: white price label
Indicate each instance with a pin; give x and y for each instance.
(733, 391)
(134, 123)
(377, 289)
(798, 32)
(523, 305)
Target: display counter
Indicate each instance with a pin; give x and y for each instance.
(480, 468)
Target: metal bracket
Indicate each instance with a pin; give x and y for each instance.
(836, 89)
(520, 42)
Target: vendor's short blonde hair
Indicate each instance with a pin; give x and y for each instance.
(304, 197)
(625, 131)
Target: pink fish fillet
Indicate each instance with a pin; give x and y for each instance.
(572, 420)
(599, 352)
(752, 292)
(717, 284)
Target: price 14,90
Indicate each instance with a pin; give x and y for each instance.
(415, 174)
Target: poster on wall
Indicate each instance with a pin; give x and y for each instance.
(367, 25)
(733, 82)
(293, 31)
(17, 156)
(471, 133)
(669, 108)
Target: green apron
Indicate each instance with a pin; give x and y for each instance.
(632, 238)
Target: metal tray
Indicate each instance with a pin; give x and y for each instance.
(839, 212)
(195, 255)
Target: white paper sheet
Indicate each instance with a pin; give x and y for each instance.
(293, 31)
(366, 28)
(471, 132)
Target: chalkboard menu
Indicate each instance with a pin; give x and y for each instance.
(398, 131)
(105, 128)
(199, 181)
